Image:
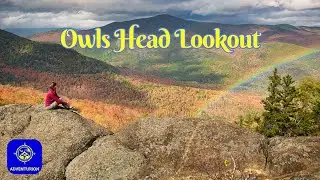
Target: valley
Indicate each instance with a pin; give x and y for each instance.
(115, 89)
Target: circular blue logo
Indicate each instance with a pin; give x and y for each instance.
(24, 153)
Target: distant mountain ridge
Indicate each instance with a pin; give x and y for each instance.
(20, 52)
(279, 33)
(198, 67)
(172, 23)
(300, 35)
(26, 32)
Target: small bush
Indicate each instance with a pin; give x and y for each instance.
(250, 121)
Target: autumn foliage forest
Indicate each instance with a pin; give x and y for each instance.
(110, 99)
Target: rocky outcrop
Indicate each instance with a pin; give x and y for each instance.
(63, 135)
(75, 148)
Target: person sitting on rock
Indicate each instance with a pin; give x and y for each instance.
(52, 99)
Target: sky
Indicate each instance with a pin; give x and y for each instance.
(86, 14)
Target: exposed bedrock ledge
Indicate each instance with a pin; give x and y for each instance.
(76, 148)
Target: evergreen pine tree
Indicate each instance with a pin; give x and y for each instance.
(272, 106)
(281, 107)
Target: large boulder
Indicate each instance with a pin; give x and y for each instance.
(106, 159)
(63, 135)
(205, 148)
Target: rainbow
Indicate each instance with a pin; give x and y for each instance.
(271, 67)
(258, 73)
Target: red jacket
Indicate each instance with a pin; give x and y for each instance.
(51, 97)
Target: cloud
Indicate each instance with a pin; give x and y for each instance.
(81, 20)
(310, 17)
(91, 13)
(200, 6)
(207, 7)
(107, 6)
